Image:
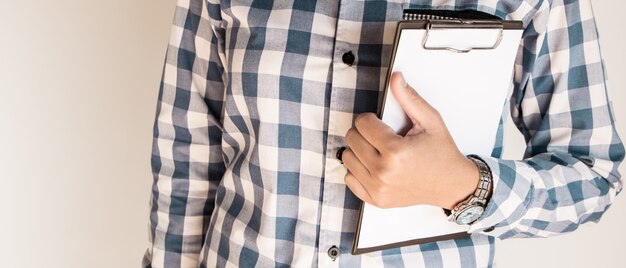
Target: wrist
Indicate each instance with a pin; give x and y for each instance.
(472, 208)
(462, 184)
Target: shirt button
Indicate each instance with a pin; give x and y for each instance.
(489, 229)
(348, 58)
(333, 252)
(340, 153)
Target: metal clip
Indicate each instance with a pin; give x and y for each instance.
(456, 24)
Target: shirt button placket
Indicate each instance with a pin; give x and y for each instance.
(343, 81)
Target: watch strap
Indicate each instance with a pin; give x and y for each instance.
(484, 184)
(480, 195)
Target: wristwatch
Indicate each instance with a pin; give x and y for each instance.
(470, 209)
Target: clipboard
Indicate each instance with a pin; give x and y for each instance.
(464, 69)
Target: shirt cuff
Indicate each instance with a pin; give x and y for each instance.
(510, 199)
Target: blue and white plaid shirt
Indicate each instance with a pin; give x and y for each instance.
(255, 101)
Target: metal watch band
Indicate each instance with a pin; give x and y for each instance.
(482, 191)
(471, 209)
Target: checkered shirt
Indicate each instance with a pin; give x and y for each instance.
(255, 101)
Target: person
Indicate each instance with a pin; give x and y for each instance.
(258, 98)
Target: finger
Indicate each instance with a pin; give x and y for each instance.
(355, 166)
(375, 131)
(357, 188)
(363, 150)
(418, 110)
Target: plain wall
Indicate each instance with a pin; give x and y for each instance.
(78, 88)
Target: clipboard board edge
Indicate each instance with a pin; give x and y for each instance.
(358, 251)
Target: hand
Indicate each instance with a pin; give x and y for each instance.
(422, 167)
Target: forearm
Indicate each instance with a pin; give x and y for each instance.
(569, 173)
(187, 162)
(533, 198)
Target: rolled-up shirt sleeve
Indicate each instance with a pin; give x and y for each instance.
(559, 103)
(187, 162)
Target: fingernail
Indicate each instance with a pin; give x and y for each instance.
(404, 84)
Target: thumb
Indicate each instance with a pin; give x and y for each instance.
(417, 109)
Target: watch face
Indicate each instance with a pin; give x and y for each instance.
(469, 215)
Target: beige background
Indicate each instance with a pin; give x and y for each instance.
(78, 88)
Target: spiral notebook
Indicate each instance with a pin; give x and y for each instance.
(463, 67)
